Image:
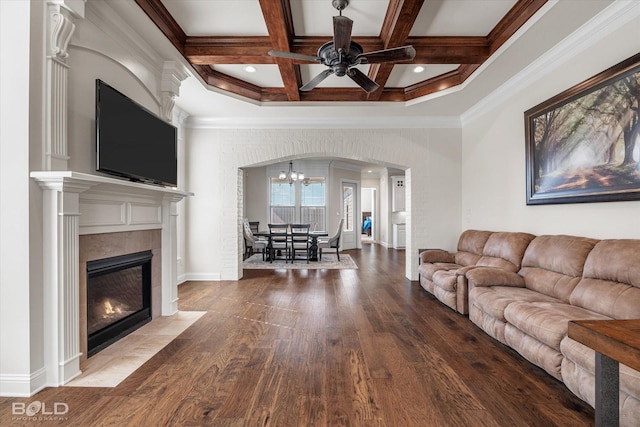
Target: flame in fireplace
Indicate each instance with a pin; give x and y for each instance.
(110, 309)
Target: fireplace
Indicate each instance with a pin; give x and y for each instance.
(118, 298)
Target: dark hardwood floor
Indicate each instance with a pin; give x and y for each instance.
(359, 347)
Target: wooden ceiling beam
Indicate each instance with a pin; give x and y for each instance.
(399, 19)
(227, 83)
(277, 16)
(204, 51)
(160, 16)
(441, 82)
(517, 16)
(253, 50)
(333, 95)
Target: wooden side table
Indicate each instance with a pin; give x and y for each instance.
(615, 342)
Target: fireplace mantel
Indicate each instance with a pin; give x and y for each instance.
(59, 180)
(77, 203)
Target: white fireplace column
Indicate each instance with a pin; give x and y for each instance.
(61, 279)
(170, 252)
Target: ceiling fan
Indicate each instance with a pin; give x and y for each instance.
(342, 54)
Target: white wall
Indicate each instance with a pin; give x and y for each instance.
(214, 243)
(15, 317)
(493, 157)
(256, 195)
(367, 199)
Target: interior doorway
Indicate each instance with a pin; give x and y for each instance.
(368, 230)
(349, 239)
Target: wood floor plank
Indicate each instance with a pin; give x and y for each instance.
(238, 402)
(301, 348)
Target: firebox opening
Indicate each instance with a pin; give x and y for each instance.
(118, 298)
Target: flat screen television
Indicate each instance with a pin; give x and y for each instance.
(131, 141)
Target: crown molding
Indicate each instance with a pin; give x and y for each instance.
(618, 14)
(369, 122)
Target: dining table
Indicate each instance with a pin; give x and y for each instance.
(313, 246)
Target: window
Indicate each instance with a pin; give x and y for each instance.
(282, 202)
(312, 203)
(300, 202)
(348, 203)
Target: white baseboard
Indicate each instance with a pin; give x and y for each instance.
(23, 385)
(201, 277)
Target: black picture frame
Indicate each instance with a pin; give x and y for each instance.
(583, 145)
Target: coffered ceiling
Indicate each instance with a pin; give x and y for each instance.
(226, 42)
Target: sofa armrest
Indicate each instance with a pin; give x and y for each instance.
(489, 276)
(436, 255)
(464, 270)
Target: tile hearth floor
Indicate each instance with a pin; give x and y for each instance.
(112, 365)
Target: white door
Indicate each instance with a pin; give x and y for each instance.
(349, 213)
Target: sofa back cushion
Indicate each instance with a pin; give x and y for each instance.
(611, 280)
(553, 265)
(505, 250)
(470, 246)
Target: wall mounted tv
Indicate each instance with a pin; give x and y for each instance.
(131, 141)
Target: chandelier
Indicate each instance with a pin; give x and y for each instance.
(291, 176)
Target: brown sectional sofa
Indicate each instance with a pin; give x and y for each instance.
(560, 278)
(470, 246)
(502, 250)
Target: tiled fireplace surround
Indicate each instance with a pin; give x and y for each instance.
(105, 245)
(88, 217)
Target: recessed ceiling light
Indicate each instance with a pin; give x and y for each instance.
(418, 69)
(250, 69)
(369, 171)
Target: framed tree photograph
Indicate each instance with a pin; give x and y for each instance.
(583, 145)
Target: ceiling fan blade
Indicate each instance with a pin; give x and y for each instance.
(291, 55)
(316, 80)
(397, 54)
(362, 80)
(342, 33)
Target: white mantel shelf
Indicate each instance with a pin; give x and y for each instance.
(77, 203)
(63, 180)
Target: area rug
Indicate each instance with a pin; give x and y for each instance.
(329, 262)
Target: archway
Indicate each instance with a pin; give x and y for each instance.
(217, 156)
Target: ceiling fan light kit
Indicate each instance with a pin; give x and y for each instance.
(342, 54)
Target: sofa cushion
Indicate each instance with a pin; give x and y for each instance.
(488, 323)
(584, 357)
(552, 265)
(494, 300)
(428, 270)
(533, 350)
(470, 245)
(505, 250)
(446, 280)
(611, 280)
(547, 322)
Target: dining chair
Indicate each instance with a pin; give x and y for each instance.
(300, 242)
(251, 242)
(254, 225)
(278, 241)
(331, 242)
